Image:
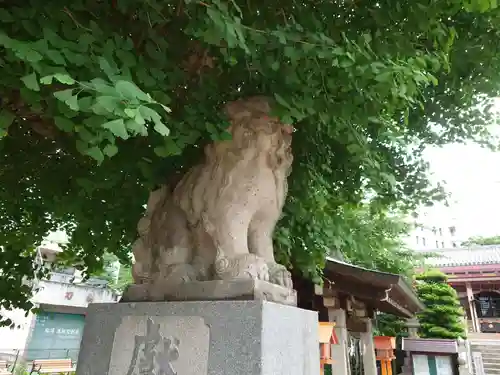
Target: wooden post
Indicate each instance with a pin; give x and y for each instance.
(386, 366)
(476, 326)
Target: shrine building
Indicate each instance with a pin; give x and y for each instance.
(474, 272)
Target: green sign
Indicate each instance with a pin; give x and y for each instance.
(432, 364)
(56, 336)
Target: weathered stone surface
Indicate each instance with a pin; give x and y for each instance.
(218, 290)
(199, 338)
(217, 222)
(168, 341)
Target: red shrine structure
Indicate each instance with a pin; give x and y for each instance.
(474, 272)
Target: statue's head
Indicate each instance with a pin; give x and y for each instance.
(253, 127)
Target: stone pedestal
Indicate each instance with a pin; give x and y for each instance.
(412, 325)
(199, 338)
(406, 369)
(242, 289)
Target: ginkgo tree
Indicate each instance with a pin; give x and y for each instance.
(102, 101)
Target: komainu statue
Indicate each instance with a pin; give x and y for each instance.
(217, 222)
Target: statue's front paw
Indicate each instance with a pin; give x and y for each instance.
(136, 293)
(246, 266)
(179, 273)
(278, 274)
(169, 279)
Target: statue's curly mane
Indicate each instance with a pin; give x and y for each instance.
(255, 136)
(255, 132)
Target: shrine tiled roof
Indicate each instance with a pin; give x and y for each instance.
(470, 256)
(386, 292)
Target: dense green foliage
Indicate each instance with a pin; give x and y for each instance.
(390, 325)
(442, 317)
(122, 278)
(482, 241)
(118, 274)
(375, 239)
(103, 100)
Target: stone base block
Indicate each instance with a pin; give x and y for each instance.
(216, 290)
(199, 338)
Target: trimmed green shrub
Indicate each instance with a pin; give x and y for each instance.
(442, 317)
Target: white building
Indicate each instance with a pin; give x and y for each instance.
(55, 330)
(433, 228)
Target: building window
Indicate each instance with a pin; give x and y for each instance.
(416, 239)
(488, 305)
(440, 232)
(423, 241)
(453, 230)
(437, 244)
(454, 244)
(442, 245)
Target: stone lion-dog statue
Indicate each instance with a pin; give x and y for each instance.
(217, 222)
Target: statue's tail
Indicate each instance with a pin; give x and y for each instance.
(164, 250)
(144, 247)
